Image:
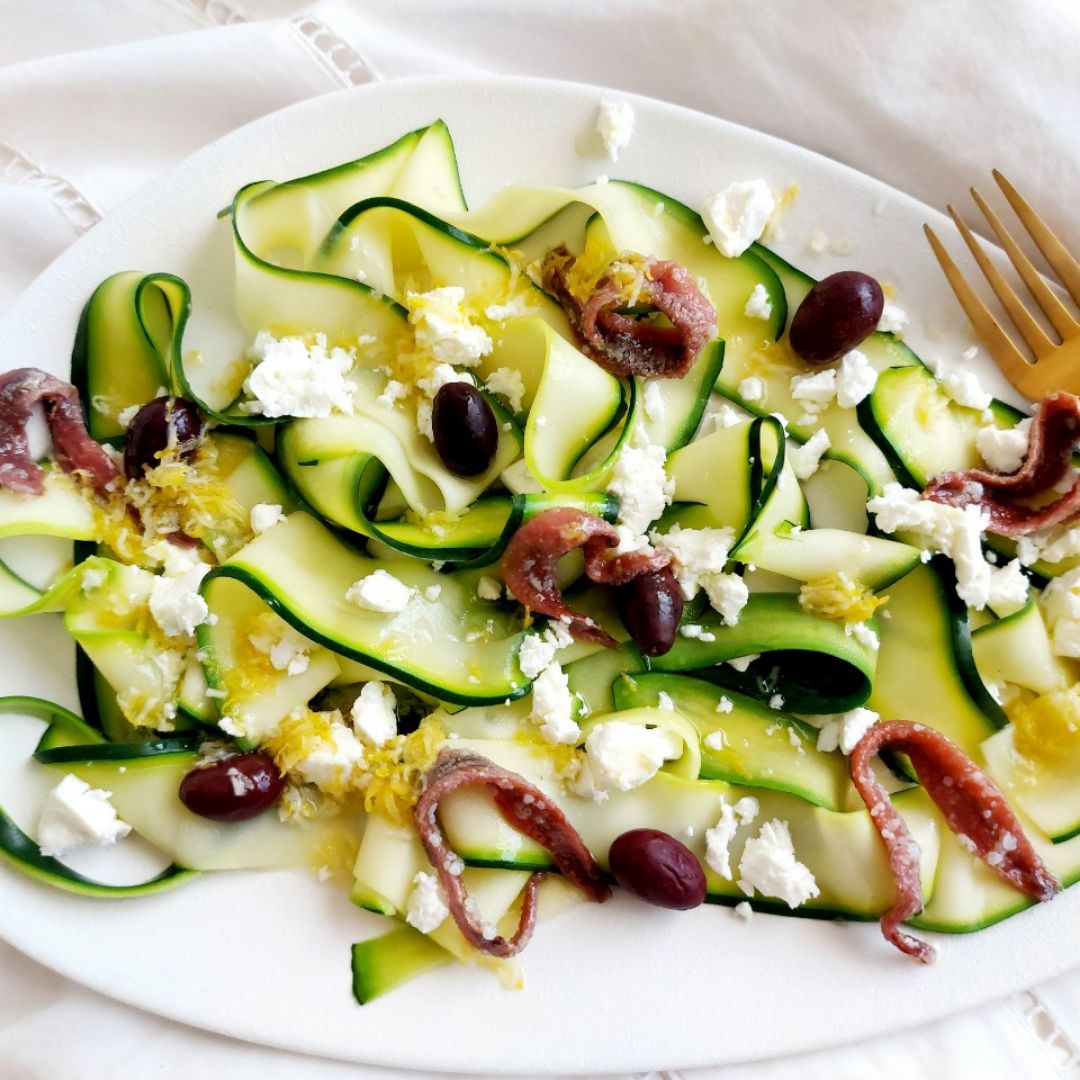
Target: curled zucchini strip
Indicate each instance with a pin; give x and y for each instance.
(66, 734)
(444, 646)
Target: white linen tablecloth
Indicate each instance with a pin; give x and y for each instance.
(98, 97)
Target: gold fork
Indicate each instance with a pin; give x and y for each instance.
(1057, 364)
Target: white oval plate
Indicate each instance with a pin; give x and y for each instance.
(620, 987)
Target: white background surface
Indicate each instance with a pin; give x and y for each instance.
(101, 97)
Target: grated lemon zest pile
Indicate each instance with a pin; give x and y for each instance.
(176, 495)
(1047, 728)
(839, 596)
(396, 772)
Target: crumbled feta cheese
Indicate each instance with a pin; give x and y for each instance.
(759, 306)
(443, 327)
(957, 533)
(696, 632)
(805, 459)
(489, 588)
(291, 378)
(655, 408)
(93, 577)
(855, 379)
(615, 125)
(741, 663)
(724, 705)
(553, 706)
(380, 591)
(841, 731)
(728, 594)
(1061, 607)
(737, 216)
(336, 758)
(893, 319)
(631, 544)
(744, 911)
(374, 713)
(125, 416)
(286, 649)
(716, 740)
(501, 312)
(962, 386)
(426, 909)
(718, 841)
(265, 516)
(776, 701)
(768, 864)
(664, 701)
(752, 388)
(814, 391)
(641, 485)
(392, 393)
(864, 634)
(719, 416)
(697, 554)
(621, 756)
(74, 814)
(175, 603)
(1004, 449)
(537, 651)
(507, 383)
(432, 593)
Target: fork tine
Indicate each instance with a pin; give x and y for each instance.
(1044, 296)
(1004, 353)
(1029, 329)
(1064, 265)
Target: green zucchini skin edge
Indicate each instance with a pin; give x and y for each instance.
(23, 853)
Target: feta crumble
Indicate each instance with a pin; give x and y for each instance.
(962, 386)
(374, 713)
(741, 663)
(737, 216)
(489, 588)
(621, 756)
(265, 516)
(806, 459)
(743, 910)
(842, 731)
(724, 705)
(292, 378)
(752, 388)
(1061, 606)
(1004, 449)
(508, 384)
(334, 761)
(759, 306)
(443, 327)
(615, 125)
(719, 416)
(553, 706)
(893, 319)
(426, 909)
(175, 603)
(698, 560)
(718, 838)
(391, 394)
(74, 814)
(957, 533)
(655, 408)
(696, 632)
(286, 649)
(641, 484)
(537, 651)
(380, 591)
(768, 864)
(855, 379)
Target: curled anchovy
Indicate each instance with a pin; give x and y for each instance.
(973, 807)
(532, 556)
(528, 810)
(20, 391)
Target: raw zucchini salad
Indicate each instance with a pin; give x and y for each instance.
(572, 542)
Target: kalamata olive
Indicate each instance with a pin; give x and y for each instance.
(165, 421)
(651, 606)
(837, 314)
(466, 432)
(233, 789)
(658, 868)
